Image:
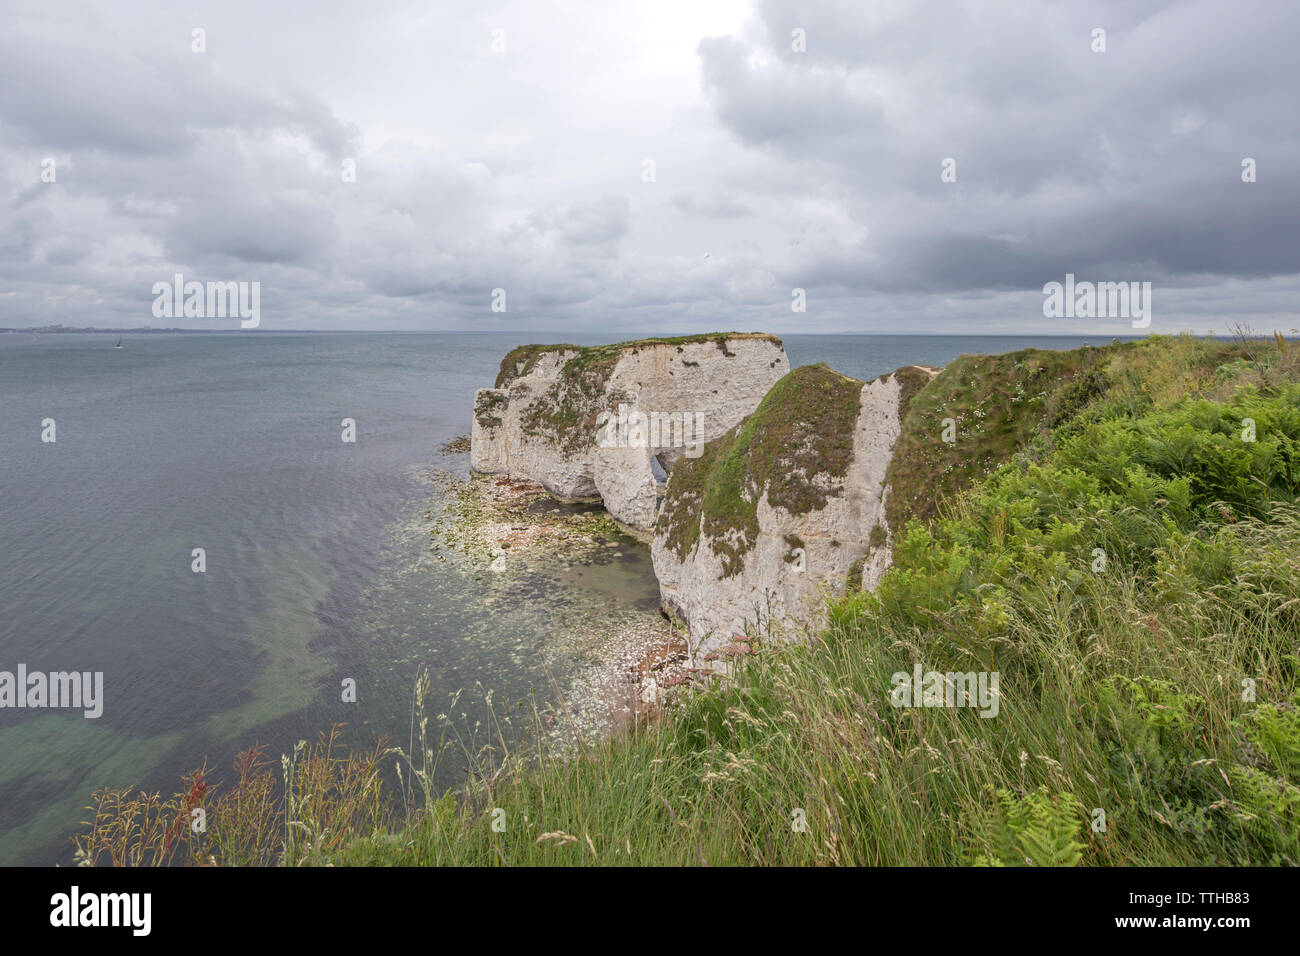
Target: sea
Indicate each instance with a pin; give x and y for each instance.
(316, 568)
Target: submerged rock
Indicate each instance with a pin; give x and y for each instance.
(593, 422)
(781, 509)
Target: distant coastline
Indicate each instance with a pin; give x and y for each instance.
(557, 336)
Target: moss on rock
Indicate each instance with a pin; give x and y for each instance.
(794, 445)
(487, 407)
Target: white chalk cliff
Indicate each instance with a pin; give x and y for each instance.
(782, 510)
(554, 413)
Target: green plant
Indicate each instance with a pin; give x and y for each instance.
(1037, 829)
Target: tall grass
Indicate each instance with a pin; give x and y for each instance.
(325, 797)
(1118, 700)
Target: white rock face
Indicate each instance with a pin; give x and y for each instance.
(716, 382)
(778, 587)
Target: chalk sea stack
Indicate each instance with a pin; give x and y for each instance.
(543, 418)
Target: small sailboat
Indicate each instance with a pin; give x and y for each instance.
(119, 343)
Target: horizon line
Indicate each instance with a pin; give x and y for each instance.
(72, 330)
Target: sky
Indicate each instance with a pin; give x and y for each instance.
(654, 167)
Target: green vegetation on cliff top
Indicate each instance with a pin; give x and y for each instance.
(994, 405)
(520, 360)
(1026, 401)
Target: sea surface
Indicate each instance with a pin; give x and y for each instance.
(318, 566)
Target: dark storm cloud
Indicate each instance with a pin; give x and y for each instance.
(1126, 161)
(522, 166)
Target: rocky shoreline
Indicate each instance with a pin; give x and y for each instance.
(498, 524)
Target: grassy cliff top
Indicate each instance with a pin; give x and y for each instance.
(520, 360)
(995, 405)
(1025, 401)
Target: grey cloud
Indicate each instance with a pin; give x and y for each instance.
(521, 170)
(1124, 160)
(710, 207)
(598, 222)
(280, 230)
(76, 89)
